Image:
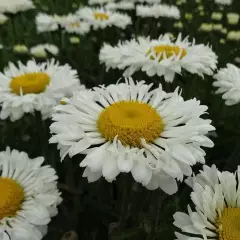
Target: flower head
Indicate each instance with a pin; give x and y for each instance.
(15, 6)
(161, 57)
(129, 127)
(29, 196)
(46, 23)
(41, 50)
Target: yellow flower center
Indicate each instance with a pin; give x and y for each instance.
(229, 224)
(30, 83)
(101, 16)
(11, 197)
(74, 25)
(130, 121)
(168, 50)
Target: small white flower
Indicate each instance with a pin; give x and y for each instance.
(20, 48)
(206, 27)
(15, 6)
(35, 87)
(3, 18)
(46, 23)
(99, 2)
(100, 18)
(217, 16)
(224, 2)
(41, 50)
(72, 24)
(29, 196)
(233, 36)
(233, 18)
(216, 196)
(161, 57)
(228, 83)
(123, 5)
(129, 127)
(158, 10)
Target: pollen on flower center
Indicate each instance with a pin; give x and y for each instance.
(101, 16)
(229, 224)
(30, 83)
(166, 50)
(130, 121)
(11, 197)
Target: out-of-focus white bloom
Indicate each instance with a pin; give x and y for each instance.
(217, 16)
(237, 59)
(20, 48)
(99, 2)
(224, 30)
(233, 35)
(148, 1)
(188, 16)
(3, 18)
(222, 41)
(158, 10)
(46, 23)
(100, 18)
(161, 57)
(123, 5)
(74, 40)
(72, 24)
(29, 196)
(1, 46)
(224, 2)
(216, 201)
(178, 25)
(228, 83)
(41, 50)
(35, 87)
(217, 27)
(130, 127)
(233, 18)
(14, 6)
(206, 27)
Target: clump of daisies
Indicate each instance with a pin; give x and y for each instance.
(29, 196)
(46, 23)
(35, 87)
(216, 212)
(101, 18)
(227, 80)
(158, 10)
(41, 50)
(162, 57)
(15, 6)
(131, 128)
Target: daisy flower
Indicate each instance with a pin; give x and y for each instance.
(161, 57)
(123, 5)
(35, 87)
(224, 2)
(99, 2)
(72, 24)
(29, 196)
(129, 127)
(158, 10)
(15, 6)
(100, 18)
(227, 80)
(216, 196)
(41, 50)
(46, 23)
(3, 18)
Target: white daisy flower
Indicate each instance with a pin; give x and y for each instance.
(99, 2)
(30, 87)
(128, 127)
(3, 18)
(161, 57)
(149, 1)
(224, 2)
(158, 10)
(123, 5)
(14, 6)
(29, 196)
(41, 50)
(228, 83)
(46, 23)
(100, 18)
(72, 24)
(216, 196)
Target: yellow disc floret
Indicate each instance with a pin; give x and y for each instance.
(101, 16)
(11, 197)
(30, 83)
(229, 224)
(166, 51)
(130, 121)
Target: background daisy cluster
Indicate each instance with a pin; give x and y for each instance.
(84, 45)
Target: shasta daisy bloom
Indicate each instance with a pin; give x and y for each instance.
(123, 5)
(41, 50)
(227, 80)
(128, 127)
(15, 6)
(72, 24)
(35, 87)
(100, 18)
(158, 10)
(162, 57)
(216, 196)
(46, 23)
(29, 196)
